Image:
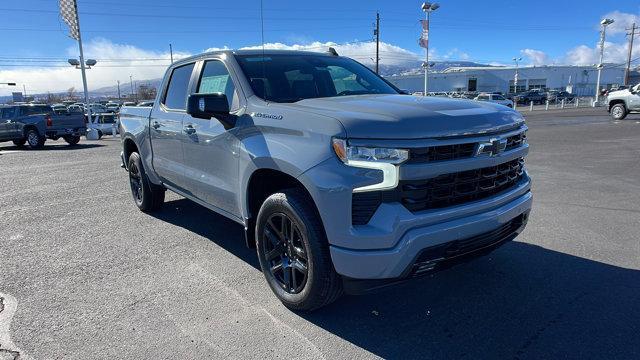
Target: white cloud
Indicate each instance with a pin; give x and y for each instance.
(105, 73)
(364, 52)
(536, 57)
(615, 53)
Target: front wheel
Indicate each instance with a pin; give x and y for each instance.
(146, 195)
(294, 253)
(34, 139)
(618, 112)
(72, 140)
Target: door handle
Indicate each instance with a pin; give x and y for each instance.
(189, 130)
(156, 125)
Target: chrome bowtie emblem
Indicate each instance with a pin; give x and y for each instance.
(493, 147)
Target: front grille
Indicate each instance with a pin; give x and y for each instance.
(460, 187)
(441, 153)
(434, 256)
(516, 141)
(442, 191)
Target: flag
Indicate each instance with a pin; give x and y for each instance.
(69, 15)
(423, 41)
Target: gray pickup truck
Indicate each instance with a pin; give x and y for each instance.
(341, 182)
(33, 124)
(622, 102)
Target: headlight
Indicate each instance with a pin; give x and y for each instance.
(384, 159)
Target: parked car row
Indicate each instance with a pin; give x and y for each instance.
(33, 124)
(537, 96)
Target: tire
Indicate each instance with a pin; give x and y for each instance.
(284, 258)
(618, 111)
(99, 134)
(20, 142)
(34, 139)
(72, 140)
(148, 197)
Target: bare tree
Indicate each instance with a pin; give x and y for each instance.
(146, 92)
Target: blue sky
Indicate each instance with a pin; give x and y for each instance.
(484, 31)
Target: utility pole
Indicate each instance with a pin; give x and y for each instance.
(24, 89)
(376, 32)
(119, 90)
(628, 68)
(171, 52)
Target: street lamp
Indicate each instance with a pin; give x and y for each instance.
(76, 63)
(515, 77)
(604, 23)
(427, 7)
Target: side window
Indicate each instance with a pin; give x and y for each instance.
(215, 78)
(176, 95)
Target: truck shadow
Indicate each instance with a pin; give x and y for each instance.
(224, 232)
(520, 302)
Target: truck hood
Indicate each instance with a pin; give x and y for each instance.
(412, 117)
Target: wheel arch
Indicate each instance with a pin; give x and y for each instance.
(614, 102)
(262, 183)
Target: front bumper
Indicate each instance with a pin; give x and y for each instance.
(430, 248)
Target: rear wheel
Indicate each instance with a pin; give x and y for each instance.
(147, 196)
(618, 111)
(34, 139)
(19, 142)
(72, 140)
(294, 253)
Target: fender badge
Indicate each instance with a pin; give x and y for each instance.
(268, 116)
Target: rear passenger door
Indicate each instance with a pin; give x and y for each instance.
(210, 151)
(166, 128)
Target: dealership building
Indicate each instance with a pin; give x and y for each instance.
(579, 80)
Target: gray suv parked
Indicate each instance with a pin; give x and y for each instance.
(341, 182)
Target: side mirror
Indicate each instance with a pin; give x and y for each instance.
(206, 106)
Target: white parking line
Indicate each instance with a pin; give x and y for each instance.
(8, 306)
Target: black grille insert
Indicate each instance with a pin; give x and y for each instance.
(456, 151)
(441, 191)
(460, 187)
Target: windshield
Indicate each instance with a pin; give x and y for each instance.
(290, 78)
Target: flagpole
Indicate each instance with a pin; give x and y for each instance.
(82, 66)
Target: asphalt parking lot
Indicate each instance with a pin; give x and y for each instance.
(84, 274)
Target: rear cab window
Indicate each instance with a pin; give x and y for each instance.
(175, 97)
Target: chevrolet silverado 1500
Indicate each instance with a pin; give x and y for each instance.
(340, 181)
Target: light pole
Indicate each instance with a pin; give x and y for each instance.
(78, 64)
(131, 84)
(427, 7)
(515, 77)
(604, 24)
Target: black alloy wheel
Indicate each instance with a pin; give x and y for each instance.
(135, 180)
(285, 252)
